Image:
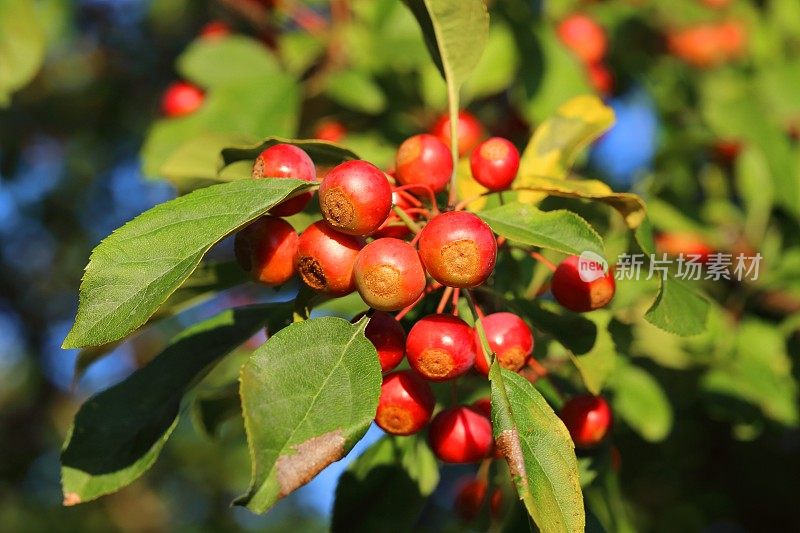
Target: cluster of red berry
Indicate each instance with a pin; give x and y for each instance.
(382, 234)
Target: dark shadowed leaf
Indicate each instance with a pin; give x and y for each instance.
(308, 395)
(118, 434)
(386, 487)
(135, 269)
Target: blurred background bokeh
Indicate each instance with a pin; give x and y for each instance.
(707, 100)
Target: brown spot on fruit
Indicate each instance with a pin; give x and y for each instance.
(435, 363)
(258, 168)
(71, 498)
(396, 420)
(382, 280)
(461, 258)
(338, 209)
(513, 359)
(312, 274)
(494, 149)
(509, 447)
(409, 151)
(308, 459)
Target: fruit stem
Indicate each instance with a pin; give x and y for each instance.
(545, 261)
(454, 302)
(426, 189)
(452, 101)
(403, 312)
(413, 226)
(443, 300)
(485, 349)
(408, 197)
(460, 206)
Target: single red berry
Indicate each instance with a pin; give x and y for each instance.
(325, 259)
(483, 406)
(460, 435)
(388, 337)
(267, 249)
(286, 161)
(330, 130)
(510, 339)
(580, 285)
(588, 419)
(495, 163)
(585, 37)
(688, 244)
(216, 29)
(440, 347)
(601, 78)
(181, 98)
(406, 403)
(389, 275)
(716, 3)
(355, 198)
(469, 131)
(424, 160)
(458, 249)
(469, 499)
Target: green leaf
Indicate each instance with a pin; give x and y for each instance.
(211, 410)
(455, 32)
(497, 67)
(557, 141)
(135, 269)
(539, 452)
(357, 91)
(678, 309)
(754, 185)
(596, 365)
(234, 109)
(118, 434)
(195, 163)
(22, 46)
(641, 402)
(385, 489)
(322, 152)
(559, 230)
(760, 373)
(234, 60)
(308, 395)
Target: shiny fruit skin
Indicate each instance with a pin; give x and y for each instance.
(576, 294)
(440, 347)
(460, 435)
(355, 198)
(458, 249)
(330, 130)
(470, 498)
(180, 99)
(267, 249)
(286, 161)
(389, 275)
(494, 163)
(469, 131)
(510, 339)
(388, 337)
(585, 37)
(406, 403)
(424, 160)
(325, 259)
(588, 419)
